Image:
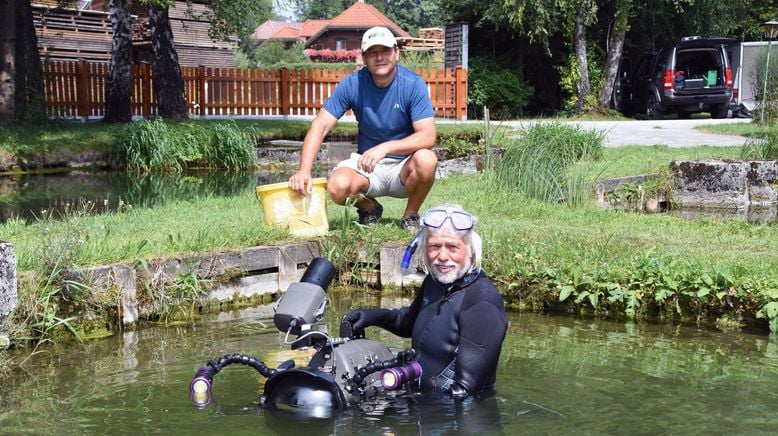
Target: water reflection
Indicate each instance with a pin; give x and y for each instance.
(557, 375)
(30, 196)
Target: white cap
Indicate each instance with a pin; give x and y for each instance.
(378, 36)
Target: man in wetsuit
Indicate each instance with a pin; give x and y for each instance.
(457, 320)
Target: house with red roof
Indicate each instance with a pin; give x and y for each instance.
(340, 34)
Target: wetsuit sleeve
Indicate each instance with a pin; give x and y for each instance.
(482, 326)
(400, 321)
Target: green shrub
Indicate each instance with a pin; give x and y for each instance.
(539, 163)
(569, 77)
(757, 80)
(496, 87)
(275, 54)
(156, 146)
(228, 147)
(764, 146)
(145, 146)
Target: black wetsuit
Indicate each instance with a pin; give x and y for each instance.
(457, 330)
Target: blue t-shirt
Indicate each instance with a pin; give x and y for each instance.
(383, 114)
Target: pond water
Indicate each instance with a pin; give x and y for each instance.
(557, 375)
(30, 196)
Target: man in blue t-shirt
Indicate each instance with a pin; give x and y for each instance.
(396, 135)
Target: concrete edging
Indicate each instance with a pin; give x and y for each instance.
(248, 272)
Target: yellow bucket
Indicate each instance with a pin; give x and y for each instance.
(304, 216)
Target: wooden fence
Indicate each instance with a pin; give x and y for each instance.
(77, 90)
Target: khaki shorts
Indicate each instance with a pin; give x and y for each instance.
(385, 178)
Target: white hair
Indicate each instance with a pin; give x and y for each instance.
(470, 237)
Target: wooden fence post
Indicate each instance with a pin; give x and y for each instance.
(82, 89)
(145, 85)
(283, 92)
(201, 91)
(460, 75)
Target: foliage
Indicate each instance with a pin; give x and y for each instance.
(762, 147)
(420, 60)
(538, 164)
(569, 77)
(275, 54)
(413, 15)
(757, 81)
(321, 9)
(497, 88)
(230, 18)
(344, 245)
(149, 146)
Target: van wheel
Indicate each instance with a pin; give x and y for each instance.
(720, 111)
(654, 110)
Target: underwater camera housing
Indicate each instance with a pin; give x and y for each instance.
(342, 371)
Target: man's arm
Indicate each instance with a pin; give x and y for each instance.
(424, 136)
(301, 181)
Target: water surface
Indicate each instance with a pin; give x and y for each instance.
(557, 375)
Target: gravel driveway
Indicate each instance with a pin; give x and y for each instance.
(673, 133)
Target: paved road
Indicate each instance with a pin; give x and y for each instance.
(673, 133)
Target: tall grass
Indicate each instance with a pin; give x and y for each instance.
(156, 146)
(762, 147)
(538, 163)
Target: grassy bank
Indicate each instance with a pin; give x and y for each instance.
(22, 141)
(544, 256)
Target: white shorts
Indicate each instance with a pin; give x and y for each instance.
(385, 178)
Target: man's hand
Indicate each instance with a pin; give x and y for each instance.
(370, 158)
(301, 182)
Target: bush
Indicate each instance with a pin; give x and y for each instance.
(156, 146)
(569, 77)
(275, 54)
(496, 87)
(538, 164)
(763, 147)
(770, 107)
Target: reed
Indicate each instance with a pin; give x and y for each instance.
(538, 163)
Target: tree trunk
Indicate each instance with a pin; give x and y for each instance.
(613, 58)
(579, 36)
(166, 73)
(118, 89)
(30, 98)
(7, 60)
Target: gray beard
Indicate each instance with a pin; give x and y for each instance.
(452, 276)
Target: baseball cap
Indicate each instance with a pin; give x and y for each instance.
(378, 36)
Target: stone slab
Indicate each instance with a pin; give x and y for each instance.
(711, 183)
(8, 285)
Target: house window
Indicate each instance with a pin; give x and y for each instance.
(340, 44)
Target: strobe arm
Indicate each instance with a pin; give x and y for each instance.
(202, 382)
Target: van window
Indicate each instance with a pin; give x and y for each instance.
(701, 63)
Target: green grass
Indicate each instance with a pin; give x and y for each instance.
(67, 138)
(743, 129)
(543, 255)
(636, 160)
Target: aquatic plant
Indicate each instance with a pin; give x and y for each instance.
(538, 163)
(157, 146)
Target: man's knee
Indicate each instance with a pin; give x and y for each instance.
(341, 186)
(424, 162)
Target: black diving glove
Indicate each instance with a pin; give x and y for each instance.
(354, 322)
